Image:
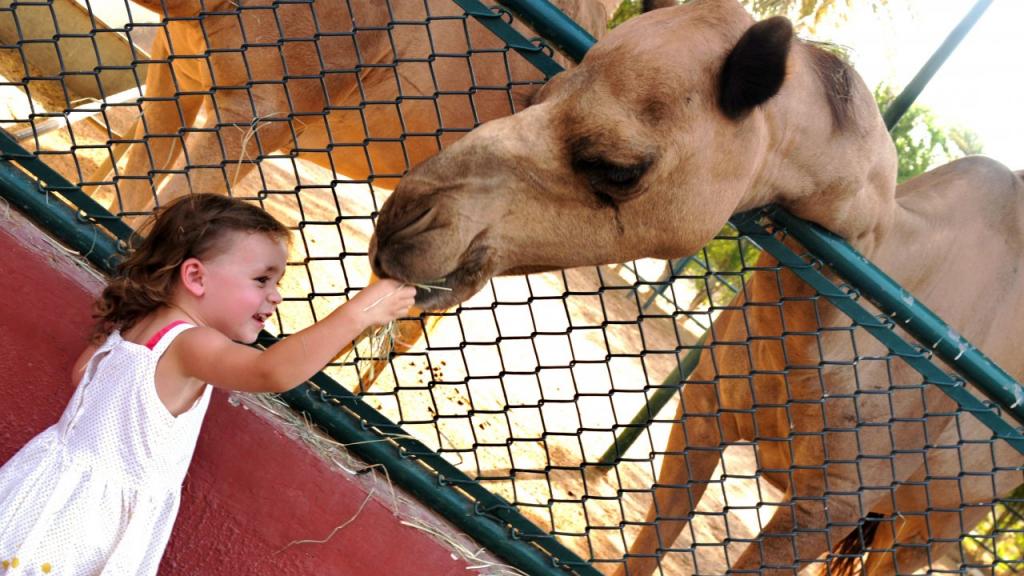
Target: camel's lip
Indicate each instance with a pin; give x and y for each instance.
(459, 284)
(456, 286)
(436, 291)
(434, 299)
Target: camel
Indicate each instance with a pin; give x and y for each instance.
(321, 80)
(674, 122)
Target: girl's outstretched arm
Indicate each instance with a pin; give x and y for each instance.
(209, 356)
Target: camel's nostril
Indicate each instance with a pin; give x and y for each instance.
(416, 222)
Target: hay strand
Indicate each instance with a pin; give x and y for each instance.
(254, 127)
(338, 528)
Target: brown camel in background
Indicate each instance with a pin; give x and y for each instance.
(327, 78)
(672, 123)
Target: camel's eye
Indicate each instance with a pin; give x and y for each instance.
(615, 181)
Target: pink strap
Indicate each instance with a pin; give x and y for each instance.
(156, 337)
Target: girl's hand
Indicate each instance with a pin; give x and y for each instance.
(382, 302)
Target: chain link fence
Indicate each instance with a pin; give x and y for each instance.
(556, 393)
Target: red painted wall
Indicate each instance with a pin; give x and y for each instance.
(251, 490)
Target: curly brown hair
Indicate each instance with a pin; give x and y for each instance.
(193, 226)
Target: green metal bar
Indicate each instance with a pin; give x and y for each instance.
(53, 182)
(666, 390)
(57, 218)
(902, 103)
(493, 21)
(553, 25)
(908, 313)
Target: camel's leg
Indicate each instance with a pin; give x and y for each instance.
(158, 129)
(220, 155)
(907, 544)
(811, 521)
(964, 482)
(104, 171)
(901, 544)
(778, 549)
(693, 452)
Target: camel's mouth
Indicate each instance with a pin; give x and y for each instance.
(474, 269)
(463, 282)
(456, 287)
(438, 294)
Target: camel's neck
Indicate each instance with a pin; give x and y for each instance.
(830, 160)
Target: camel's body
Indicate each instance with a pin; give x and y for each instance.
(674, 122)
(369, 104)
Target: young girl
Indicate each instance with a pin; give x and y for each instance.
(98, 492)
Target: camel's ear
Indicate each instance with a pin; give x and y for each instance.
(756, 67)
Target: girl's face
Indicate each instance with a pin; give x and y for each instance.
(241, 290)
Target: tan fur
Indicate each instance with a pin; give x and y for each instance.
(507, 199)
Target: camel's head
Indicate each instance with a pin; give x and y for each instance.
(672, 123)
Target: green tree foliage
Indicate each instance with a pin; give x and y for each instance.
(999, 539)
(922, 141)
(807, 13)
(625, 11)
(721, 264)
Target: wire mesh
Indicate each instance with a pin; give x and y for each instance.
(315, 109)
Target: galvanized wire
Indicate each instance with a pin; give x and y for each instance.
(522, 389)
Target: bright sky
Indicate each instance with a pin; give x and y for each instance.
(980, 86)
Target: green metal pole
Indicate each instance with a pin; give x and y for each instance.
(493, 21)
(902, 103)
(52, 182)
(553, 25)
(668, 388)
(52, 215)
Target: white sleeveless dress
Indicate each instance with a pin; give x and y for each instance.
(98, 492)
